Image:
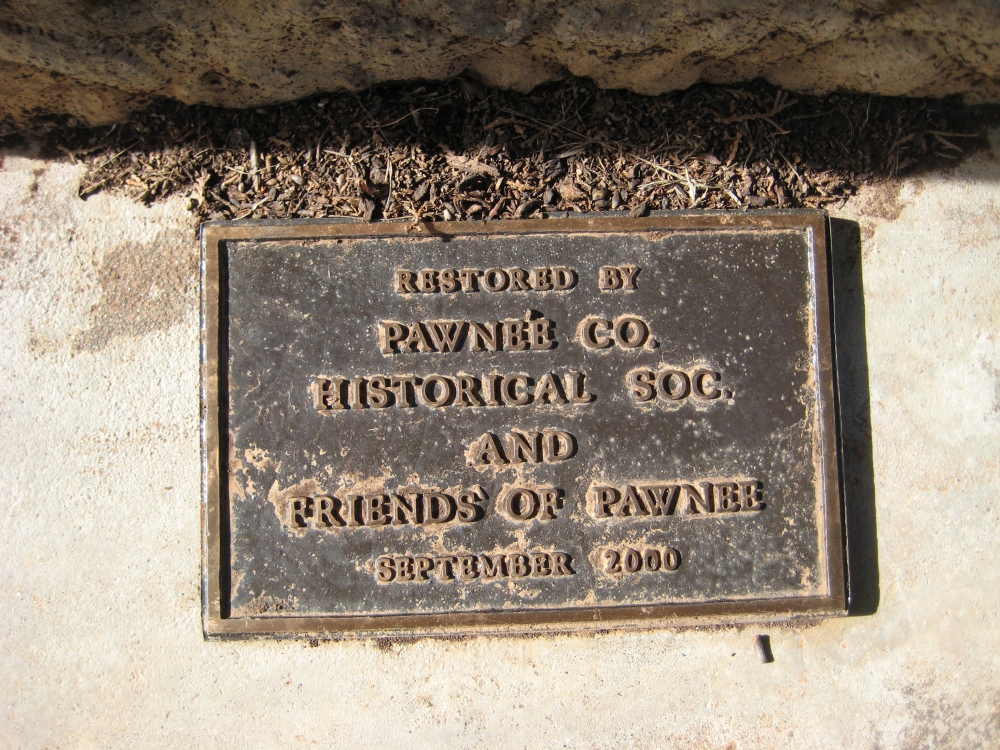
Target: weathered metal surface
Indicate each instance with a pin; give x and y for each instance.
(517, 425)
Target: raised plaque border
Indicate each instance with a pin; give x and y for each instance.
(216, 621)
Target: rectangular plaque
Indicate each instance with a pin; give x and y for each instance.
(567, 422)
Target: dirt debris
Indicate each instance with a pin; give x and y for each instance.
(458, 150)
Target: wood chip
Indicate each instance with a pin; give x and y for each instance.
(471, 165)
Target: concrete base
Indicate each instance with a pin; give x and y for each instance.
(101, 643)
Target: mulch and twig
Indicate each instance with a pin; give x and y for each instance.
(459, 150)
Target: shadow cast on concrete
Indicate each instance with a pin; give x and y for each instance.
(854, 407)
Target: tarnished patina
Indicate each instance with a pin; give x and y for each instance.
(570, 422)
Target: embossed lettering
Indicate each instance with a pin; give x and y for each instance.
(490, 451)
(750, 495)
(605, 498)
(675, 385)
(471, 568)
(356, 393)
(447, 334)
(386, 569)
(578, 388)
(354, 511)
(495, 279)
(559, 446)
(407, 509)
(518, 566)
(696, 502)
(493, 566)
(619, 562)
(641, 382)
(525, 448)
(628, 273)
(662, 499)
(445, 566)
(468, 506)
(299, 509)
(541, 564)
(510, 394)
(551, 501)
(548, 390)
(519, 280)
(631, 332)
(437, 391)
(728, 496)
(626, 331)
(443, 336)
(560, 564)
(423, 565)
(378, 510)
(485, 336)
(493, 383)
(698, 383)
(406, 387)
(417, 340)
(428, 280)
(520, 504)
(328, 393)
(404, 281)
(632, 504)
(563, 278)
(551, 446)
(390, 334)
(610, 278)
(589, 333)
(378, 394)
(450, 280)
(515, 335)
(382, 509)
(328, 512)
(692, 499)
(438, 508)
(404, 569)
(540, 334)
(469, 277)
(468, 391)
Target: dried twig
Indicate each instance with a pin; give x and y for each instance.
(455, 149)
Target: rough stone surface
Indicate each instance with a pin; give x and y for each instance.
(98, 60)
(101, 643)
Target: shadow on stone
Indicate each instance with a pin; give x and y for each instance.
(854, 402)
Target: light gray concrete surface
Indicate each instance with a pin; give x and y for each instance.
(100, 631)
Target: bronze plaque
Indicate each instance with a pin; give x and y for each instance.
(567, 422)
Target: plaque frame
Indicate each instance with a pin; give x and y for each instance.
(216, 619)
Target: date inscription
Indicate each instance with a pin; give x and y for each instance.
(648, 560)
(465, 568)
